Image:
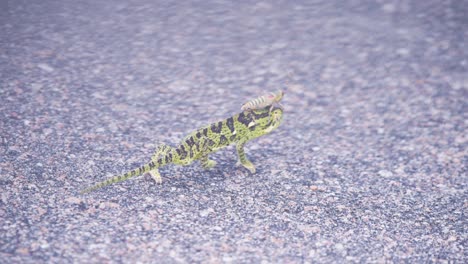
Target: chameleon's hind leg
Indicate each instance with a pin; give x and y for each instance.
(243, 160)
(160, 152)
(156, 176)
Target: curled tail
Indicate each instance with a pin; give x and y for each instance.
(123, 177)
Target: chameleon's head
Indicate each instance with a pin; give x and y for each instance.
(266, 120)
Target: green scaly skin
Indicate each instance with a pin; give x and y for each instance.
(200, 143)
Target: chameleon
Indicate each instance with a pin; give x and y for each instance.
(199, 144)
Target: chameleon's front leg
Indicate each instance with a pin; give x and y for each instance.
(243, 158)
(207, 163)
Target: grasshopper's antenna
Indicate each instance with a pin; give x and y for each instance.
(288, 81)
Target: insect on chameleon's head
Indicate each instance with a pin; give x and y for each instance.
(280, 95)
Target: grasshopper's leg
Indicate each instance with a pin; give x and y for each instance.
(243, 158)
(252, 123)
(269, 113)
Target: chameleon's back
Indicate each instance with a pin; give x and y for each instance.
(243, 126)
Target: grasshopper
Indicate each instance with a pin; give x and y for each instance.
(262, 102)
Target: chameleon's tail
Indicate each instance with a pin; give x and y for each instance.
(160, 158)
(123, 177)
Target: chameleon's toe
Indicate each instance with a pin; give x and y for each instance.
(156, 176)
(209, 164)
(248, 165)
(251, 168)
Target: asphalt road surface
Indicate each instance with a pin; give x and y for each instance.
(369, 164)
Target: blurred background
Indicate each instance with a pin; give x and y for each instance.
(369, 164)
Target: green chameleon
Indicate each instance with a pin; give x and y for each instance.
(200, 143)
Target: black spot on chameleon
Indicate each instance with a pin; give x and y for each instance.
(191, 153)
(152, 165)
(262, 114)
(198, 135)
(205, 132)
(183, 152)
(244, 119)
(210, 142)
(230, 124)
(161, 160)
(216, 128)
(222, 140)
(190, 142)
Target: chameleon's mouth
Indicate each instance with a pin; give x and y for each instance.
(275, 121)
(272, 122)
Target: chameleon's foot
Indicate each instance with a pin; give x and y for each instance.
(156, 176)
(248, 165)
(209, 164)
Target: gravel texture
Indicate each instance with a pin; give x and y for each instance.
(369, 165)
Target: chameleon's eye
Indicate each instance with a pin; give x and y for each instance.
(276, 113)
